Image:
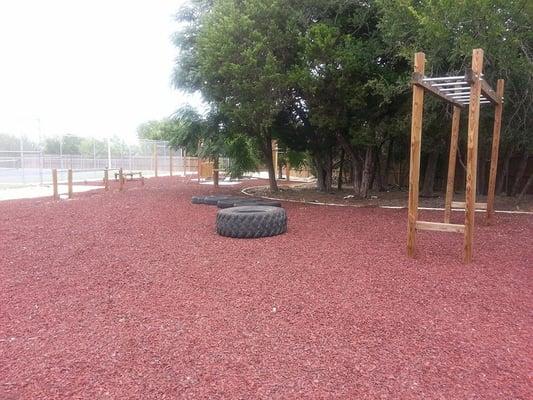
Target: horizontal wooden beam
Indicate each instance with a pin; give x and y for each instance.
(462, 204)
(439, 226)
(486, 90)
(418, 79)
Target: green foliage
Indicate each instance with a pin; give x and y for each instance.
(322, 74)
(448, 30)
(12, 143)
(243, 156)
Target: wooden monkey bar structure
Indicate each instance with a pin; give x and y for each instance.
(461, 91)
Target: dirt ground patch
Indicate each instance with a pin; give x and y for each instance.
(132, 295)
(306, 192)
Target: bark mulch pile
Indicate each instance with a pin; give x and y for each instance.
(132, 295)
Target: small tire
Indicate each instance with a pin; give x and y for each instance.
(227, 203)
(197, 200)
(251, 221)
(213, 200)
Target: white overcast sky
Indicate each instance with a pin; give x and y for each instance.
(86, 67)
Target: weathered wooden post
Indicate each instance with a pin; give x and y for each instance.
(450, 183)
(69, 183)
(120, 180)
(155, 159)
(275, 156)
(106, 179)
(184, 160)
(170, 160)
(54, 184)
(414, 167)
(215, 171)
(199, 162)
(495, 150)
(471, 157)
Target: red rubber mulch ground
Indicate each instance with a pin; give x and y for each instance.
(133, 296)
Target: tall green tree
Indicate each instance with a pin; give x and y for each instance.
(448, 30)
(242, 53)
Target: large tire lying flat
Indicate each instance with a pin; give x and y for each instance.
(251, 221)
(247, 202)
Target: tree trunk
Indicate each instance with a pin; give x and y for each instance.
(429, 175)
(375, 180)
(270, 164)
(280, 171)
(520, 173)
(525, 189)
(367, 172)
(341, 165)
(328, 169)
(385, 170)
(356, 176)
(504, 174)
(215, 171)
(356, 169)
(320, 174)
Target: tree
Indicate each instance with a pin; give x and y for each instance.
(242, 53)
(352, 88)
(448, 30)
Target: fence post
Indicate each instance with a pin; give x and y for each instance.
(170, 160)
(199, 168)
(106, 179)
(184, 158)
(120, 180)
(155, 159)
(54, 184)
(41, 162)
(69, 178)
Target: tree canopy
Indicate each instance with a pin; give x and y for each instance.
(329, 79)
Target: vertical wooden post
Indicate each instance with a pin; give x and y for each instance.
(199, 163)
(275, 156)
(69, 183)
(106, 179)
(155, 159)
(54, 184)
(451, 164)
(216, 163)
(184, 159)
(120, 180)
(170, 161)
(414, 164)
(471, 166)
(495, 150)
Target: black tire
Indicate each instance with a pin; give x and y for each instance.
(251, 221)
(247, 202)
(197, 200)
(213, 200)
(227, 203)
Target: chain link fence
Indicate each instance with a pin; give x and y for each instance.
(34, 167)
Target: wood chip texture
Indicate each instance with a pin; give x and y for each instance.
(133, 295)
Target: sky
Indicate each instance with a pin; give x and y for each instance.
(89, 68)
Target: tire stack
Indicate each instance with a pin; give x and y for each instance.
(245, 217)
